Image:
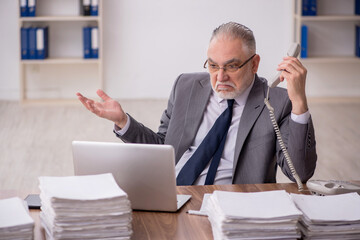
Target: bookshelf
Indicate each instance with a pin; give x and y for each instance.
(331, 33)
(65, 71)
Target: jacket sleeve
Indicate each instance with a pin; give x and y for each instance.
(299, 140)
(138, 133)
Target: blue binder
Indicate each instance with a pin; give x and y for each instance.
(313, 8)
(305, 7)
(304, 42)
(357, 7)
(357, 41)
(309, 7)
(94, 8)
(42, 42)
(46, 41)
(24, 43)
(87, 42)
(32, 43)
(23, 8)
(31, 8)
(94, 42)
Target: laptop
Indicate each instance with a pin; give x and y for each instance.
(146, 172)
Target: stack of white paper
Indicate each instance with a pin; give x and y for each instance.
(329, 217)
(15, 221)
(84, 207)
(262, 215)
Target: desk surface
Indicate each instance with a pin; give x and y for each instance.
(180, 225)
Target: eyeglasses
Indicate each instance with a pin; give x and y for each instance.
(229, 67)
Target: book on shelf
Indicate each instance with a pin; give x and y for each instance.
(304, 41)
(309, 7)
(27, 8)
(34, 43)
(357, 7)
(23, 8)
(94, 7)
(94, 42)
(31, 8)
(86, 7)
(87, 42)
(24, 43)
(91, 42)
(42, 42)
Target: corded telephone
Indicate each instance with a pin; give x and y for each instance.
(318, 187)
(294, 51)
(331, 187)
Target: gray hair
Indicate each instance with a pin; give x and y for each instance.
(235, 30)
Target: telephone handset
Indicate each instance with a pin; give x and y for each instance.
(293, 51)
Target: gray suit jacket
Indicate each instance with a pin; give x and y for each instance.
(257, 151)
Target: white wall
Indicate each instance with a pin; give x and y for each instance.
(9, 50)
(155, 41)
(147, 44)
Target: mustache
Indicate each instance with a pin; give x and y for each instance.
(230, 84)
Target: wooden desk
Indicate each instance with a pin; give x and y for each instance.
(180, 225)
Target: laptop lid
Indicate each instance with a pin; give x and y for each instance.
(146, 172)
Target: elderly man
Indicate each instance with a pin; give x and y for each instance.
(217, 122)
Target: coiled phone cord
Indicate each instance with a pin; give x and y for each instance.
(281, 143)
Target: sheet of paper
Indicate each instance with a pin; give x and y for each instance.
(202, 210)
(79, 207)
(259, 215)
(270, 204)
(342, 207)
(92, 187)
(14, 212)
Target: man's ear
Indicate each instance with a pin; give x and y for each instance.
(255, 63)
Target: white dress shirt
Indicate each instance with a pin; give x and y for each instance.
(215, 107)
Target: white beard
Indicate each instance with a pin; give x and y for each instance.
(226, 94)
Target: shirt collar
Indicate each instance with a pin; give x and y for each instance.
(241, 99)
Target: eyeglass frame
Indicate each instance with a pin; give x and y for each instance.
(225, 69)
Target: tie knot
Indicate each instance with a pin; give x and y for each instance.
(230, 102)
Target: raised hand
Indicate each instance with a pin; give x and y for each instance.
(108, 109)
(295, 75)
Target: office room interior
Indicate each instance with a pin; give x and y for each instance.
(144, 46)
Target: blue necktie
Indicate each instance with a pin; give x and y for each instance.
(211, 147)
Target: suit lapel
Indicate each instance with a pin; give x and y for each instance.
(199, 97)
(253, 107)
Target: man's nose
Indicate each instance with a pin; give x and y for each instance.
(222, 76)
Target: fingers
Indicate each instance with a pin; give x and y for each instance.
(292, 69)
(83, 100)
(295, 74)
(88, 103)
(103, 95)
(109, 108)
(94, 107)
(290, 64)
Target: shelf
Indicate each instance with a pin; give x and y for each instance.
(51, 80)
(331, 59)
(60, 61)
(59, 18)
(343, 18)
